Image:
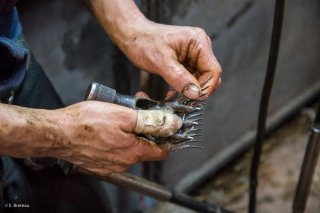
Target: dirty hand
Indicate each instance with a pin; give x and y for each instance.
(181, 55)
(101, 138)
(97, 136)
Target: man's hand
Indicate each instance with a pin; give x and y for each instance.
(181, 55)
(101, 138)
(94, 135)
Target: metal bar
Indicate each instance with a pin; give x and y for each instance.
(134, 183)
(308, 167)
(264, 102)
(155, 190)
(189, 202)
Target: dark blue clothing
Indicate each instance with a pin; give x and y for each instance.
(13, 54)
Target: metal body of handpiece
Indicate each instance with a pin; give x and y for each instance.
(188, 112)
(99, 92)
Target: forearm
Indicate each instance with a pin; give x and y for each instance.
(119, 18)
(28, 132)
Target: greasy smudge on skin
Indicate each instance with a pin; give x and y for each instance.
(39, 124)
(34, 131)
(88, 128)
(29, 122)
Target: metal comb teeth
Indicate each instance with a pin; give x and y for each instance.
(192, 115)
(190, 122)
(190, 112)
(184, 146)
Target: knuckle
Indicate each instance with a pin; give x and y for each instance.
(199, 31)
(177, 72)
(219, 69)
(209, 40)
(194, 32)
(176, 75)
(201, 35)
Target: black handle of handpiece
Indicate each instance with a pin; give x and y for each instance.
(99, 92)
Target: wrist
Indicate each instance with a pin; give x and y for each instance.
(30, 133)
(128, 32)
(119, 18)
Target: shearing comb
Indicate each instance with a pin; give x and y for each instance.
(190, 112)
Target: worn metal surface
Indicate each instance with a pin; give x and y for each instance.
(134, 183)
(75, 51)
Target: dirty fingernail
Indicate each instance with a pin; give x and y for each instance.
(191, 91)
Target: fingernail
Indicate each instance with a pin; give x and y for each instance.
(191, 91)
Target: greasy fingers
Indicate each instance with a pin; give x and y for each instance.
(99, 137)
(209, 70)
(183, 56)
(180, 79)
(195, 52)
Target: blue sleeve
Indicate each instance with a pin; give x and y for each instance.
(13, 54)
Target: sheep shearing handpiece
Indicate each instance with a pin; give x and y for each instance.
(172, 124)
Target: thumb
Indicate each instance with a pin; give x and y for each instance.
(157, 123)
(180, 79)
